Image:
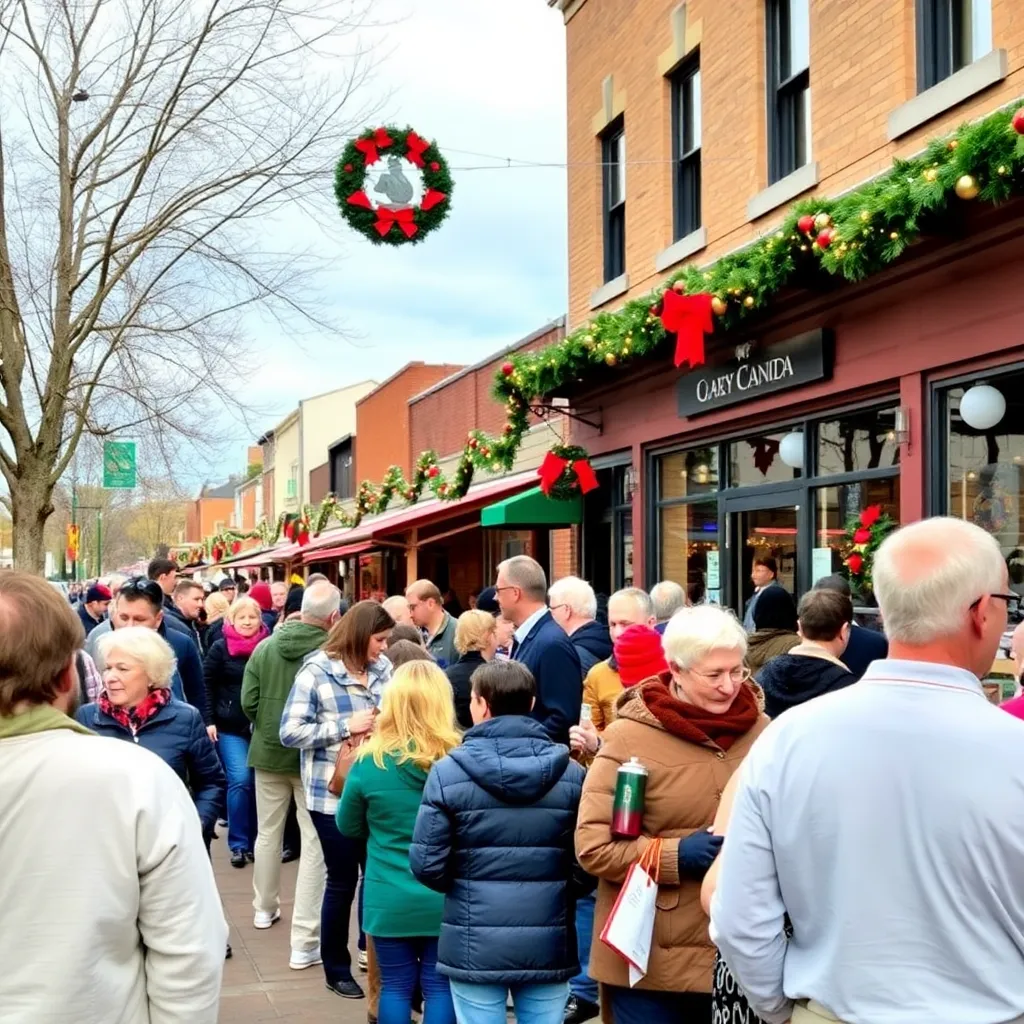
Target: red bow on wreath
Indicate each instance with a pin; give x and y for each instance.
(553, 466)
(369, 147)
(417, 147)
(688, 317)
(386, 219)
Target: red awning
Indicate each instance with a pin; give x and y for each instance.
(269, 556)
(326, 554)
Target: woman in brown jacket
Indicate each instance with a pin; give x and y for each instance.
(690, 729)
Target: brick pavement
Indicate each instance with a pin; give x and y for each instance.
(258, 983)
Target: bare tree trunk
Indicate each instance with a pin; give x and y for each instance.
(31, 506)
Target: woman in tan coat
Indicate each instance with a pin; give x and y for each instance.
(690, 729)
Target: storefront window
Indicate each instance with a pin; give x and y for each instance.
(689, 473)
(689, 548)
(834, 507)
(371, 577)
(858, 441)
(985, 470)
(756, 460)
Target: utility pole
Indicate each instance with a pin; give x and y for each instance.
(74, 522)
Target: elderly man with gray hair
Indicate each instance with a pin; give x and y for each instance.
(667, 597)
(269, 675)
(573, 606)
(541, 645)
(883, 820)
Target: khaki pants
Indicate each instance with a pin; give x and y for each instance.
(273, 797)
(810, 1012)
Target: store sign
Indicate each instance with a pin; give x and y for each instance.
(755, 371)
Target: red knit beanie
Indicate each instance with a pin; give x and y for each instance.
(260, 593)
(639, 655)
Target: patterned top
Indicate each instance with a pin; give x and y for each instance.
(315, 718)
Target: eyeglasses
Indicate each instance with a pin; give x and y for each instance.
(140, 586)
(498, 590)
(1012, 602)
(736, 675)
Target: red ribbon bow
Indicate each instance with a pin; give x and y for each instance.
(360, 198)
(553, 466)
(386, 219)
(417, 147)
(688, 317)
(369, 147)
(431, 198)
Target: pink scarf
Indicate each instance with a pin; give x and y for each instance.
(242, 646)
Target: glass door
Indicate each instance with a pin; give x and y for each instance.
(768, 526)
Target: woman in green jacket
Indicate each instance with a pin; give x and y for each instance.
(379, 803)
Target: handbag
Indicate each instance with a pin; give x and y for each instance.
(630, 925)
(343, 764)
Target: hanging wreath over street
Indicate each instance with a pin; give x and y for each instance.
(393, 186)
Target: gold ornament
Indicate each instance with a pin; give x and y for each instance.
(611, 359)
(967, 187)
(1001, 170)
(931, 174)
(822, 221)
(803, 248)
(894, 235)
(865, 215)
(749, 302)
(718, 306)
(679, 286)
(952, 144)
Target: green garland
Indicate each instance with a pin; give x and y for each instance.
(350, 182)
(868, 230)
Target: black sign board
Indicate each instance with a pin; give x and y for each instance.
(754, 371)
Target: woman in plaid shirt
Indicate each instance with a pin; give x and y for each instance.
(335, 696)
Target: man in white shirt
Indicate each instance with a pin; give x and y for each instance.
(109, 912)
(886, 819)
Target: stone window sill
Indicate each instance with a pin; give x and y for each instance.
(609, 290)
(785, 189)
(680, 250)
(984, 72)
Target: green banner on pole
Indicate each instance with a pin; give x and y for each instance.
(119, 464)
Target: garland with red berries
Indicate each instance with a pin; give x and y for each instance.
(387, 213)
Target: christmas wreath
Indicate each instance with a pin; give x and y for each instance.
(865, 533)
(393, 186)
(566, 472)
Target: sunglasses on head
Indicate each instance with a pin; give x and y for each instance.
(140, 586)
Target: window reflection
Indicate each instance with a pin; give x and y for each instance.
(756, 460)
(690, 549)
(858, 441)
(684, 474)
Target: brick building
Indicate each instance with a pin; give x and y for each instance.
(692, 129)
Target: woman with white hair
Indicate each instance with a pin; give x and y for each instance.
(136, 705)
(689, 729)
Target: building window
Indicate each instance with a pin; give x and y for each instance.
(789, 86)
(686, 137)
(950, 35)
(342, 473)
(608, 531)
(613, 163)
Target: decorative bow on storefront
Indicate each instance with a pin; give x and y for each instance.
(554, 467)
(387, 219)
(688, 317)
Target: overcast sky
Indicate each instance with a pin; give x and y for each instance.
(480, 78)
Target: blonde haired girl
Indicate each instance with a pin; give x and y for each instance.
(379, 804)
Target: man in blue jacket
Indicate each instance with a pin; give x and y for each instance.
(495, 834)
(140, 603)
(541, 645)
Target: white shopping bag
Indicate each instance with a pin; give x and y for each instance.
(630, 926)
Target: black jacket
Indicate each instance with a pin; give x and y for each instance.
(593, 643)
(88, 622)
(176, 734)
(549, 654)
(223, 674)
(792, 679)
(459, 675)
(495, 834)
(865, 646)
(187, 625)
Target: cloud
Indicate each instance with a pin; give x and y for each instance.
(479, 80)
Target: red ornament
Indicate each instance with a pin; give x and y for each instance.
(485, 452)
(688, 317)
(862, 536)
(434, 165)
(348, 168)
(855, 563)
(236, 547)
(870, 515)
(472, 442)
(434, 472)
(508, 369)
(824, 240)
(806, 223)
(1018, 121)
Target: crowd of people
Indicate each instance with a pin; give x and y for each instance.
(826, 809)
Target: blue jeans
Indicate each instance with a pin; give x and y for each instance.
(234, 755)
(342, 857)
(405, 965)
(583, 986)
(485, 1004)
(639, 1006)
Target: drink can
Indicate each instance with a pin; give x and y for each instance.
(585, 713)
(628, 805)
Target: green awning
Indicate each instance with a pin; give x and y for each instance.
(532, 509)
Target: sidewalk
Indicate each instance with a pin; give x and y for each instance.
(258, 983)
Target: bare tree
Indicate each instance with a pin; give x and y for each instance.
(147, 150)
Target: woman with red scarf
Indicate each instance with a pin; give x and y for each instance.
(223, 672)
(690, 728)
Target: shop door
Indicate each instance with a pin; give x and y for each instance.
(762, 525)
